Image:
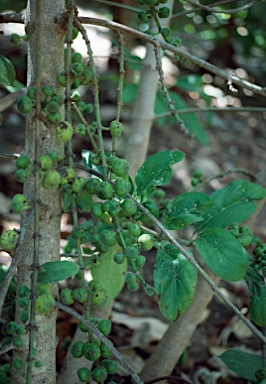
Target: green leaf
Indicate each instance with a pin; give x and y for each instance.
(57, 270)
(7, 71)
(185, 209)
(223, 253)
(174, 280)
(110, 273)
(242, 363)
(84, 201)
(156, 171)
(254, 281)
(67, 201)
(232, 204)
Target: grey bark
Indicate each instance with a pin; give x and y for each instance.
(51, 51)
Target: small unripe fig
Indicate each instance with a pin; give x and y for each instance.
(145, 242)
(84, 374)
(19, 203)
(99, 374)
(80, 294)
(48, 91)
(51, 180)
(77, 349)
(64, 131)
(46, 162)
(104, 326)
(91, 351)
(22, 175)
(45, 303)
(8, 240)
(23, 162)
(116, 128)
(24, 104)
(66, 296)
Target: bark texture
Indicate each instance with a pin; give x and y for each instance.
(51, 56)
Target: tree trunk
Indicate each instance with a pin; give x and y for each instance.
(51, 61)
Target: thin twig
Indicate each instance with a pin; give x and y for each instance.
(7, 348)
(8, 155)
(102, 338)
(177, 51)
(226, 11)
(211, 109)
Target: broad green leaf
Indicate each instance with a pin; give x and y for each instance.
(83, 201)
(232, 204)
(156, 171)
(57, 270)
(67, 201)
(7, 71)
(242, 363)
(254, 281)
(174, 280)
(223, 253)
(110, 274)
(185, 209)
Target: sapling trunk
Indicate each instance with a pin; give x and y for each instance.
(45, 60)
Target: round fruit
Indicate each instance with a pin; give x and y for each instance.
(43, 288)
(133, 287)
(45, 303)
(51, 180)
(96, 211)
(92, 185)
(104, 190)
(64, 131)
(18, 363)
(76, 57)
(66, 296)
(48, 91)
(23, 162)
(84, 374)
(54, 118)
(18, 342)
(104, 326)
(99, 298)
(129, 206)
(99, 374)
(80, 130)
(77, 349)
(116, 128)
(22, 175)
(78, 184)
(83, 327)
(112, 207)
(11, 327)
(145, 242)
(119, 258)
(67, 174)
(140, 261)
(120, 167)
(110, 366)
(8, 240)
(91, 351)
(159, 193)
(23, 291)
(131, 253)
(14, 38)
(20, 330)
(24, 104)
(122, 187)
(130, 278)
(105, 351)
(46, 162)
(24, 315)
(94, 285)
(107, 237)
(134, 230)
(23, 302)
(19, 203)
(164, 12)
(80, 294)
(52, 107)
